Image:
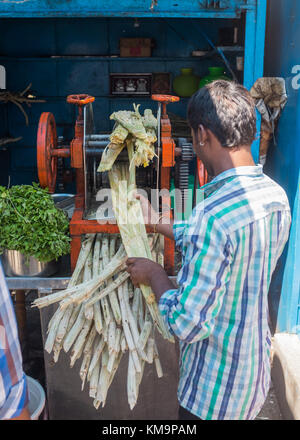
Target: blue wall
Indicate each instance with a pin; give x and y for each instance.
(64, 56)
(282, 54)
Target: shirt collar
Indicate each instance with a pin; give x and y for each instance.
(252, 171)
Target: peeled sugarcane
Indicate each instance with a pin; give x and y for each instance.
(157, 362)
(131, 383)
(114, 351)
(103, 379)
(52, 332)
(100, 352)
(96, 271)
(98, 348)
(114, 148)
(94, 379)
(59, 323)
(131, 224)
(79, 344)
(87, 355)
(113, 295)
(126, 329)
(87, 275)
(75, 330)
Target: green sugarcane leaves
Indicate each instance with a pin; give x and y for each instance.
(31, 223)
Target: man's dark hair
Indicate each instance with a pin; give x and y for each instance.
(227, 109)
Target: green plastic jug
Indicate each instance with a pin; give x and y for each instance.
(214, 74)
(186, 84)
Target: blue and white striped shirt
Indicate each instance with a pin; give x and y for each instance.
(13, 385)
(230, 247)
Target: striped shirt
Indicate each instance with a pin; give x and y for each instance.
(13, 387)
(230, 246)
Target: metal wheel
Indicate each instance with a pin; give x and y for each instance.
(46, 144)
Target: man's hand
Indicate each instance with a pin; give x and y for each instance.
(145, 271)
(151, 217)
(142, 270)
(161, 224)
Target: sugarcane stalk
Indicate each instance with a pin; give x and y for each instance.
(103, 379)
(124, 345)
(98, 317)
(94, 379)
(111, 336)
(145, 333)
(112, 295)
(86, 246)
(75, 330)
(99, 346)
(122, 277)
(115, 351)
(56, 350)
(74, 316)
(96, 270)
(132, 325)
(105, 332)
(111, 269)
(126, 329)
(110, 379)
(87, 276)
(81, 291)
(84, 367)
(90, 340)
(141, 310)
(54, 317)
(124, 210)
(158, 366)
(112, 374)
(135, 303)
(130, 290)
(79, 344)
(104, 302)
(52, 331)
(150, 350)
(106, 311)
(131, 383)
(63, 325)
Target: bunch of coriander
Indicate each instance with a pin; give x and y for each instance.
(31, 223)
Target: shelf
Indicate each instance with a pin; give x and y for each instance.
(117, 58)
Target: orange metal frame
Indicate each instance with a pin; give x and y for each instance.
(47, 154)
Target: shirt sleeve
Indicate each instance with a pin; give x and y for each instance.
(178, 231)
(13, 384)
(190, 311)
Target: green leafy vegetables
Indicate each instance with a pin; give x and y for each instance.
(31, 223)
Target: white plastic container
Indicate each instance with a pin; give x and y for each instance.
(36, 398)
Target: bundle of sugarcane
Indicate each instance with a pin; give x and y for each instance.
(101, 316)
(122, 178)
(132, 127)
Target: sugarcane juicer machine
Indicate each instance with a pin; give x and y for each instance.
(85, 152)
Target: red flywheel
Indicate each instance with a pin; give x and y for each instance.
(46, 144)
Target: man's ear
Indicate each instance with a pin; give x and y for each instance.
(202, 135)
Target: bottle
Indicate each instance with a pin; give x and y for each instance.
(214, 74)
(186, 84)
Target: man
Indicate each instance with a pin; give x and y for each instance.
(13, 386)
(230, 247)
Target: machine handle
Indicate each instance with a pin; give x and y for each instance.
(81, 99)
(165, 98)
